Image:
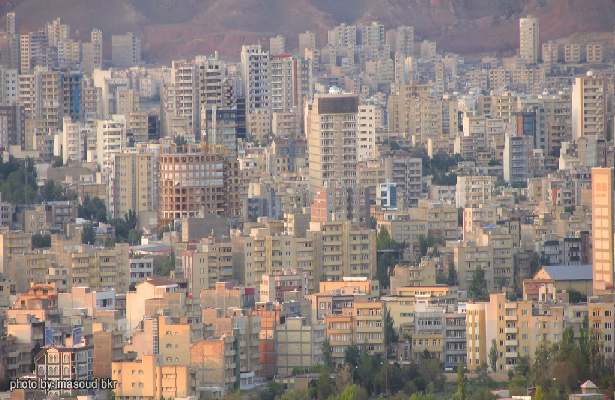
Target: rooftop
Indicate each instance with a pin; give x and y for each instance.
(569, 272)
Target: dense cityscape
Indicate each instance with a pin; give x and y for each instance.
(358, 216)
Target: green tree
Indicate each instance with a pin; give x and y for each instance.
(134, 237)
(390, 335)
(452, 275)
(88, 235)
(126, 228)
(353, 392)
(271, 392)
(422, 396)
(164, 266)
(295, 394)
(40, 241)
(493, 356)
(327, 354)
(388, 254)
(93, 209)
(478, 286)
(51, 191)
(366, 371)
(460, 394)
(539, 394)
(325, 386)
(18, 182)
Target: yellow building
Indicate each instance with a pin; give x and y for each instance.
(146, 379)
(602, 226)
(342, 249)
(150, 295)
(423, 274)
(210, 262)
(214, 361)
(135, 183)
(165, 337)
(362, 325)
(244, 326)
(476, 337)
(12, 243)
(274, 254)
(469, 257)
(516, 329)
(601, 318)
(98, 268)
(403, 228)
(441, 219)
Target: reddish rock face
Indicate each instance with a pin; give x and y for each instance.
(180, 28)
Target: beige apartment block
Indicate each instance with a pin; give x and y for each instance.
(298, 345)
(210, 262)
(214, 363)
(362, 325)
(147, 379)
(342, 249)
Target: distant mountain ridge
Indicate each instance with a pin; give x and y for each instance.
(182, 28)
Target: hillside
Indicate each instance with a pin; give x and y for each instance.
(180, 28)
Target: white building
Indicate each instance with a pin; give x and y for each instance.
(110, 140)
(367, 120)
(255, 75)
(589, 106)
(529, 39)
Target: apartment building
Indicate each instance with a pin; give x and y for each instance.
(529, 39)
(134, 182)
(196, 181)
(331, 131)
(125, 50)
(342, 249)
(215, 365)
(276, 254)
(146, 378)
(298, 344)
(210, 262)
(589, 106)
(472, 191)
(361, 325)
(255, 74)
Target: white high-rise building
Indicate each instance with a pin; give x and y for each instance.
(255, 75)
(8, 86)
(110, 140)
(277, 45)
(516, 158)
(366, 132)
(529, 39)
(92, 52)
(589, 106)
(282, 82)
(125, 50)
(184, 81)
(11, 23)
(74, 136)
(331, 130)
(343, 36)
(307, 40)
(57, 32)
